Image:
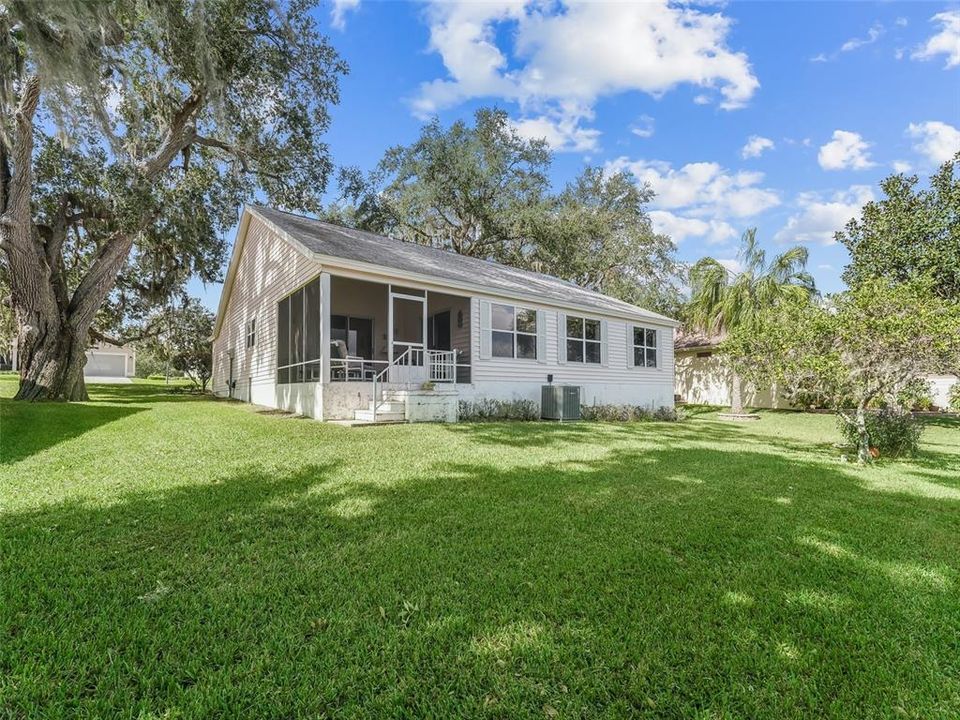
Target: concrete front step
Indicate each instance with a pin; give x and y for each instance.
(390, 406)
(382, 416)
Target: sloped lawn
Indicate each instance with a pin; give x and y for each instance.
(164, 557)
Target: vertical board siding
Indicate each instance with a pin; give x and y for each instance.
(269, 268)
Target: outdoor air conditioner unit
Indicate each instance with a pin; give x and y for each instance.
(560, 402)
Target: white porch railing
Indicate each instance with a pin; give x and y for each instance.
(441, 364)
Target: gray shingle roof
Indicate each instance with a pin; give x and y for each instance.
(349, 244)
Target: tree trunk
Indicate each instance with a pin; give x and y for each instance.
(736, 393)
(51, 364)
(863, 438)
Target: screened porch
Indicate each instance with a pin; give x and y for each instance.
(419, 335)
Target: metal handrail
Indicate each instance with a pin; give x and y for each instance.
(449, 368)
(379, 375)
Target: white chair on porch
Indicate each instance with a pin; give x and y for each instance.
(344, 366)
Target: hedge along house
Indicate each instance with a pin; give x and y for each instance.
(340, 324)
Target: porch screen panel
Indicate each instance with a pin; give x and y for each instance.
(298, 335)
(283, 341)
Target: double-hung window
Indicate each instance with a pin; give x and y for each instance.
(583, 340)
(298, 335)
(644, 347)
(513, 332)
(250, 333)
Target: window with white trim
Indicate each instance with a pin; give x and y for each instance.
(644, 347)
(583, 340)
(250, 333)
(513, 332)
(298, 335)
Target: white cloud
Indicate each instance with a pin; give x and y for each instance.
(946, 42)
(847, 151)
(901, 166)
(703, 189)
(755, 147)
(566, 55)
(338, 13)
(901, 22)
(937, 141)
(699, 200)
(679, 228)
(873, 34)
(732, 265)
(561, 133)
(825, 266)
(820, 217)
(643, 127)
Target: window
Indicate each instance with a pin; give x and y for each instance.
(583, 340)
(250, 333)
(298, 335)
(513, 332)
(644, 347)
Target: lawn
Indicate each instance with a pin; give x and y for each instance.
(164, 556)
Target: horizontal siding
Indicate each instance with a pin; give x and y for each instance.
(268, 269)
(615, 371)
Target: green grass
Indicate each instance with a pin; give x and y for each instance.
(169, 556)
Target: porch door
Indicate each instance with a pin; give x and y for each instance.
(408, 329)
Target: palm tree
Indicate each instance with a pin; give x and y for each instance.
(722, 300)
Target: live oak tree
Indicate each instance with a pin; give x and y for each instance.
(599, 235)
(911, 232)
(722, 301)
(484, 191)
(131, 131)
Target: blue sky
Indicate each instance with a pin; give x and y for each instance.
(782, 116)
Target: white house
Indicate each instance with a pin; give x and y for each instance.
(703, 378)
(103, 361)
(106, 360)
(319, 319)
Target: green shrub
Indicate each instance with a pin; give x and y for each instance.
(955, 397)
(915, 395)
(628, 413)
(488, 410)
(894, 433)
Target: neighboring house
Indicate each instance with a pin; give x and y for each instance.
(320, 319)
(703, 377)
(940, 386)
(103, 360)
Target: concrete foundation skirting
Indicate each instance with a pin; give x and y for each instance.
(430, 405)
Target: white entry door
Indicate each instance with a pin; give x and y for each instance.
(408, 333)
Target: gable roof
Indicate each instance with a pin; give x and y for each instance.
(335, 245)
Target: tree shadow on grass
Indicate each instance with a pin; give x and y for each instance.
(141, 393)
(29, 428)
(646, 579)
